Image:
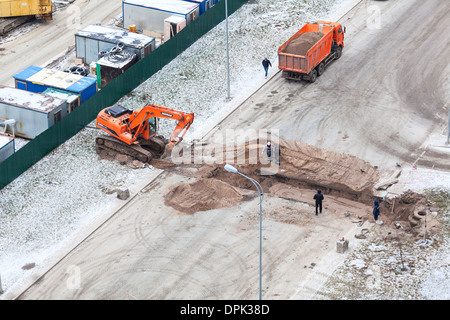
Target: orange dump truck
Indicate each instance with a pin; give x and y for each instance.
(307, 53)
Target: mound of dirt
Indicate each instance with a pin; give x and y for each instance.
(306, 167)
(301, 165)
(202, 195)
(303, 169)
(327, 168)
(411, 211)
(303, 43)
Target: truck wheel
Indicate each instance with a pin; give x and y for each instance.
(338, 52)
(313, 76)
(320, 69)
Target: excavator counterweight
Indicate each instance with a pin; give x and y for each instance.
(134, 133)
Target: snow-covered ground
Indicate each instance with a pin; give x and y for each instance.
(394, 267)
(44, 209)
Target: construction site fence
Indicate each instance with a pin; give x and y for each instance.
(69, 126)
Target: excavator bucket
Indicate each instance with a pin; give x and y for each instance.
(169, 147)
(167, 151)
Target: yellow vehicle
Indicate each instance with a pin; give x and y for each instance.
(41, 9)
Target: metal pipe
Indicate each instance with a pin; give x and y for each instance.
(448, 130)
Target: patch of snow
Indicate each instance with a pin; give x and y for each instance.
(358, 263)
(54, 201)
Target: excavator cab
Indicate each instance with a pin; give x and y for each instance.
(152, 126)
(121, 117)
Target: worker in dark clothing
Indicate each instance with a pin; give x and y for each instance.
(268, 149)
(376, 210)
(266, 63)
(319, 198)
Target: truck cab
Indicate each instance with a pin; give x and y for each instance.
(338, 35)
(338, 40)
(338, 31)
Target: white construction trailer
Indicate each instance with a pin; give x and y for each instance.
(149, 15)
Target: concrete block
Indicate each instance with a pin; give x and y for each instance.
(123, 194)
(342, 246)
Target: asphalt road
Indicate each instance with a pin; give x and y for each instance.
(150, 251)
(52, 38)
(380, 101)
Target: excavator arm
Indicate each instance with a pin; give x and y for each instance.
(139, 124)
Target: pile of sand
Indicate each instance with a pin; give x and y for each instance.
(301, 166)
(303, 169)
(329, 169)
(303, 43)
(202, 195)
(306, 166)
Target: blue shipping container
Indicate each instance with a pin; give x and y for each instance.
(37, 79)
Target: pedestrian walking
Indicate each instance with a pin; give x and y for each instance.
(319, 198)
(269, 150)
(376, 210)
(266, 64)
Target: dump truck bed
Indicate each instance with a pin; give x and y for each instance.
(306, 48)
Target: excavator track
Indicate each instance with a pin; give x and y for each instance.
(10, 23)
(111, 147)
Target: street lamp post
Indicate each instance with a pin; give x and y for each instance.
(232, 169)
(448, 123)
(228, 55)
(1, 288)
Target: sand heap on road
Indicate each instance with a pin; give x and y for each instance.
(327, 169)
(303, 43)
(304, 166)
(303, 169)
(301, 166)
(202, 195)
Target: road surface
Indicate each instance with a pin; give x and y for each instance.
(381, 101)
(385, 100)
(150, 251)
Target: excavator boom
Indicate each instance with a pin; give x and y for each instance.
(140, 117)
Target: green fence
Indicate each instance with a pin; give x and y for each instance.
(69, 126)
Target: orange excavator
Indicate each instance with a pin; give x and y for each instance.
(134, 133)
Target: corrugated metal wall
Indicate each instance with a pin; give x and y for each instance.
(70, 125)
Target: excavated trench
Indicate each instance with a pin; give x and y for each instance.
(302, 171)
(301, 166)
